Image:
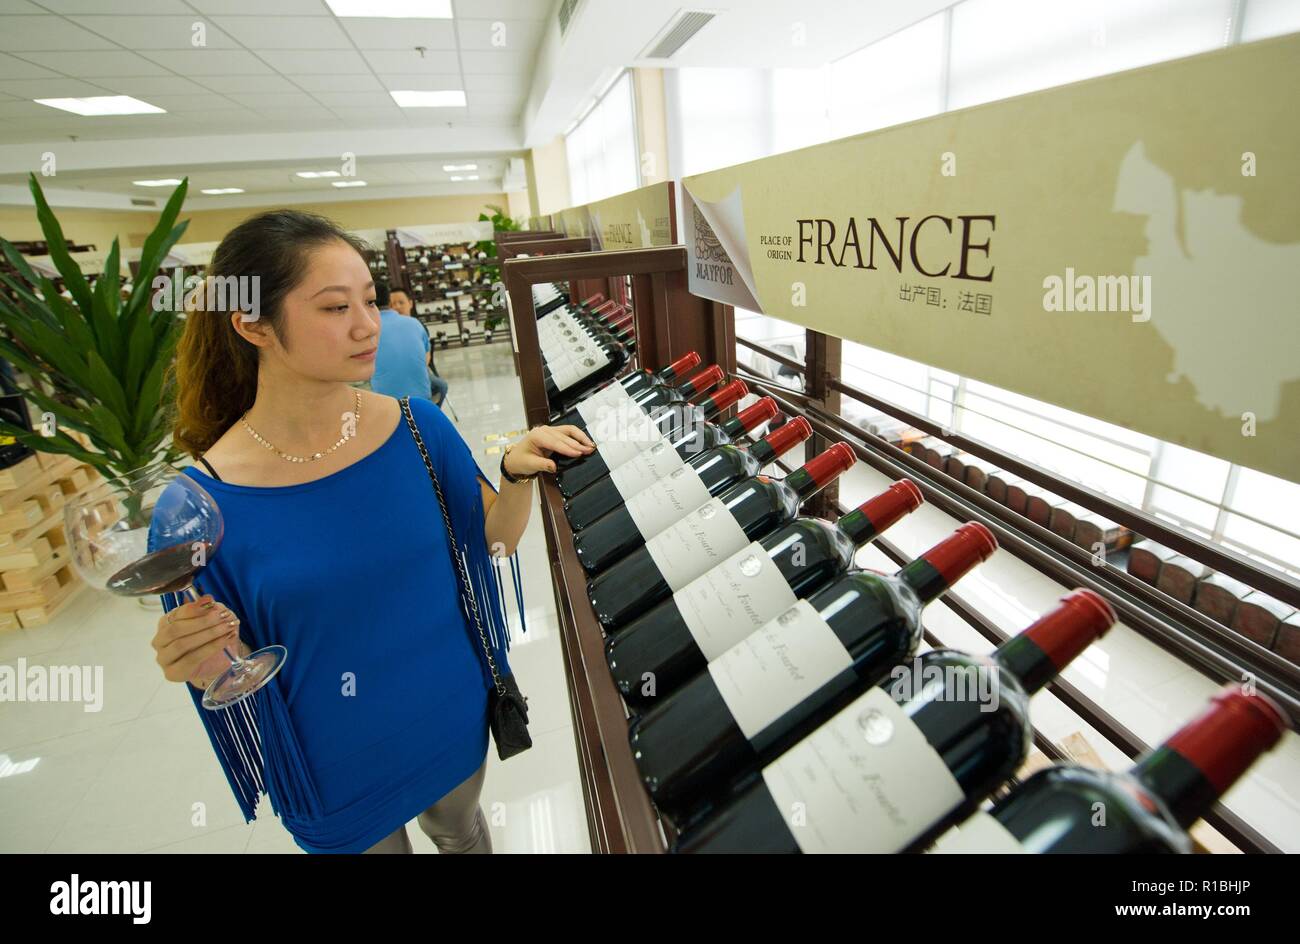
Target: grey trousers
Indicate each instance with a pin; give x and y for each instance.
(455, 823)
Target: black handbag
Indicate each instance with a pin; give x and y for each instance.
(507, 706)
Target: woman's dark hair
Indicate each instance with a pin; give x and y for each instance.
(383, 295)
(215, 369)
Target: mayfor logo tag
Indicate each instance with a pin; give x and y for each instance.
(103, 898)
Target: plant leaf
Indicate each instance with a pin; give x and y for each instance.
(104, 314)
(74, 323)
(106, 386)
(71, 272)
(65, 445)
(19, 262)
(157, 244)
(146, 407)
(139, 348)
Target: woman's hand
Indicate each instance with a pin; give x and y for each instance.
(533, 453)
(191, 637)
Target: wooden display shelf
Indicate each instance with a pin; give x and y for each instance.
(668, 322)
(620, 816)
(36, 573)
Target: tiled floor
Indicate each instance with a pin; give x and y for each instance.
(140, 776)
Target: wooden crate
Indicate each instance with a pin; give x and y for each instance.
(36, 571)
(19, 474)
(54, 593)
(28, 578)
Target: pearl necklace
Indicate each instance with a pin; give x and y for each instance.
(313, 457)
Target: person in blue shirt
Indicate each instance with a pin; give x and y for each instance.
(402, 304)
(402, 362)
(334, 546)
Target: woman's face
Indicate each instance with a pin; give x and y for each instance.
(328, 317)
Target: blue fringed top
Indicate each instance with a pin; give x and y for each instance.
(381, 706)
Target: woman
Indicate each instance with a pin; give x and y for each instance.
(335, 547)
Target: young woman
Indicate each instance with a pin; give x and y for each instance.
(335, 547)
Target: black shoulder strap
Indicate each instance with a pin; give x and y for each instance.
(211, 470)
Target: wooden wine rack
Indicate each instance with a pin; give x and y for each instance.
(36, 569)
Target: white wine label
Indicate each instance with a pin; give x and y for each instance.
(704, 538)
(979, 835)
(732, 600)
(866, 781)
(646, 467)
(613, 397)
(567, 373)
(626, 444)
(618, 422)
(667, 501)
(777, 666)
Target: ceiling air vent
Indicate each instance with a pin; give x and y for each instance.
(142, 202)
(677, 33)
(567, 9)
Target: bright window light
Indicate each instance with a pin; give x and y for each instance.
(169, 182)
(455, 167)
(425, 9)
(349, 183)
(318, 173)
(218, 190)
(102, 105)
(468, 177)
(415, 98)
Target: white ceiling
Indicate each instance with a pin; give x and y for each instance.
(275, 69)
(284, 85)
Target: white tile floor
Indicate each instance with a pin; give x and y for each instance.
(140, 776)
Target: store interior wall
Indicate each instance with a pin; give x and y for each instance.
(550, 165)
(651, 114)
(82, 226)
(208, 225)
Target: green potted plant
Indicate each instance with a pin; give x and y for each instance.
(500, 221)
(98, 361)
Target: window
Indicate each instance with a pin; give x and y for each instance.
(898, 79)
(978, 51)
(602, 150)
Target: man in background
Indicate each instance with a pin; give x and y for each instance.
(401, 363)
(401, 303)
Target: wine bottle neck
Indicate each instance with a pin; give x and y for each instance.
(802, 483)
(732, 428)
(857, 526)
(1175, 780)
(924, 579)
(1026, 660)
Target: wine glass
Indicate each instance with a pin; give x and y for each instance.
(150, 531)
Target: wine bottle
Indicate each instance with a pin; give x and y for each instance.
(778, 683)
(684, 425)
(902, 762)
(1146, 809)
(691, 439)
(661, 650)
(623, 389)
(596, 490)
(628, 428)
(599, 361)
(748, 511)
(562, 335)
(616, 534)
